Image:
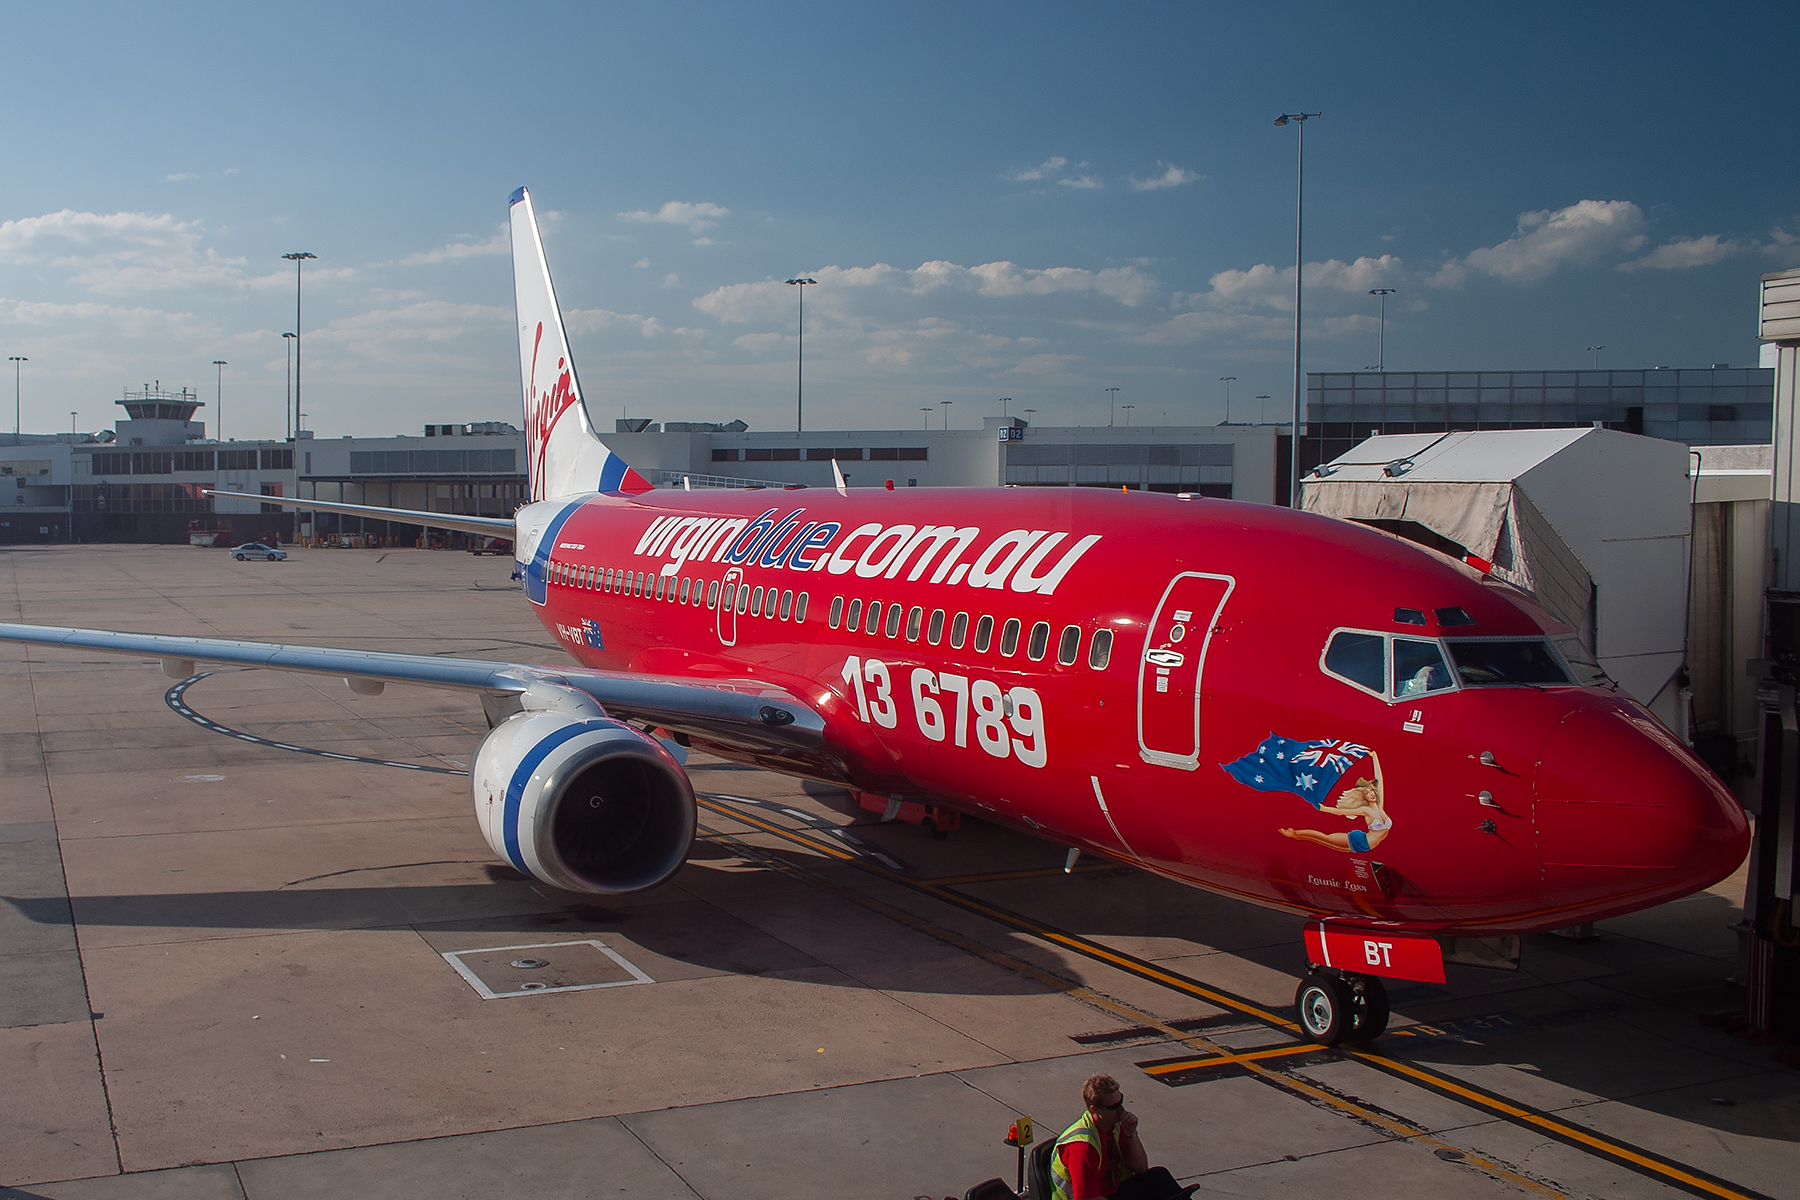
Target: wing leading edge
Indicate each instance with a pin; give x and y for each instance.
(744, 716)
(462, 522)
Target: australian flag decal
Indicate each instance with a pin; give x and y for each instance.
(1307, 769)
(590, 633)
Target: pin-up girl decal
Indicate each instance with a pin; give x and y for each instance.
(1311, 770)
(1360, 802)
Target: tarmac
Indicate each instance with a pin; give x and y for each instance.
(229, 969)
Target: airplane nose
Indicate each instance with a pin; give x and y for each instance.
(1625, 812)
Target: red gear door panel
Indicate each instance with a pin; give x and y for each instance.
(1169, 672)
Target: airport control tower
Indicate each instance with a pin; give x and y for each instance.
(156, 417)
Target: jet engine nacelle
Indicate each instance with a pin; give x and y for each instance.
(583, 803)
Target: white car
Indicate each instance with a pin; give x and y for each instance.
(258, 550)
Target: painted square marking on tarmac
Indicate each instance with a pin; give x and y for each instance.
(543, 968)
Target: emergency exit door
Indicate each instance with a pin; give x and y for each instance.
(1169, 671)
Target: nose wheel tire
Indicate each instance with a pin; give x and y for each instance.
(1334, 1009)
(1371, 1008)
(1324, 1004)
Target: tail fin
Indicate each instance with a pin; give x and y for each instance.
(564, 456)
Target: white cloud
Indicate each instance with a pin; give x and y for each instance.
(500, 243)
(671, 279)
(697, 217)
(1547, 240)
(1050, 166)
(641, 263)
(1682, 252)
(1173, 177)
(873, 294)
(1273, 287)
(119, 253)
(1043, 364)
(1081, 181)
(181, 177)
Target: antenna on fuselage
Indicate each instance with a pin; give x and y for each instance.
(837, 473)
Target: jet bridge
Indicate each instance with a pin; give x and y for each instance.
(1593, 524)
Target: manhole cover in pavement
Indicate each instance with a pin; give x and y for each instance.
(502, 972)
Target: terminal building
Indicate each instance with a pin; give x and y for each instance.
(1716, 406)
(145, 479)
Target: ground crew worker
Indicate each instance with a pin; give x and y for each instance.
(1100, 1156)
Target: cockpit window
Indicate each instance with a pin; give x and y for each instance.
(1484, 663)
(1418, 668)
(1409, 616)
(1448, 617)
(1360, 658)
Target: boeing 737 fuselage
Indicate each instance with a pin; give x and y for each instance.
(1298, 711)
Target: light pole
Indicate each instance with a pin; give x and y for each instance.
(288, 410)
(1381, 345)
(1262, 411)
(1111, 399)
(946, 404)
(1596, 350)
(800, 359)
(1300, 119)
(1126, 409)
(926, 409)
(72, 415)
(298, 257)
(17, 361)
(1004, 401)
(1028, 414)
(1226, 380)
(219, 399)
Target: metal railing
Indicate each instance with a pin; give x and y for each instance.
(673, 479)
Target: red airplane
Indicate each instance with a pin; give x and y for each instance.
(1296, 711)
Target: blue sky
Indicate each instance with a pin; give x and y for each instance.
(1038, 201)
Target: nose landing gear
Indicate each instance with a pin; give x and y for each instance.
(1341, 1006)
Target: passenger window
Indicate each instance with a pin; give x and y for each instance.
(771, 603)
(1360, 658)
(959, 631)
(893, 621)
(743, 603)
(756, 602)
(874, 621)
(1069, 646)
(787, 605)
(800, 607)
(1009, 637)
(1100, 649)
(915, 620)
(855, 618)
(1418, 668)
(984, 634)
(934, 632)
(712, 593)
(836, 616)
(730, 595)
(1040, 641)
(687, 590)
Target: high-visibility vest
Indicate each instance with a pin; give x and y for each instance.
(1061, 1186)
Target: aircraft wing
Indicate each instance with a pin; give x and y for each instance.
(741, 715)
(491, 526)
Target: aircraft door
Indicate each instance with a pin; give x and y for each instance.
(1169, 672)
(727, 612)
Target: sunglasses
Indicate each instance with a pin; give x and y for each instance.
(1112, 1107)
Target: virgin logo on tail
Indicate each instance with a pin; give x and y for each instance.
(545, 408)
